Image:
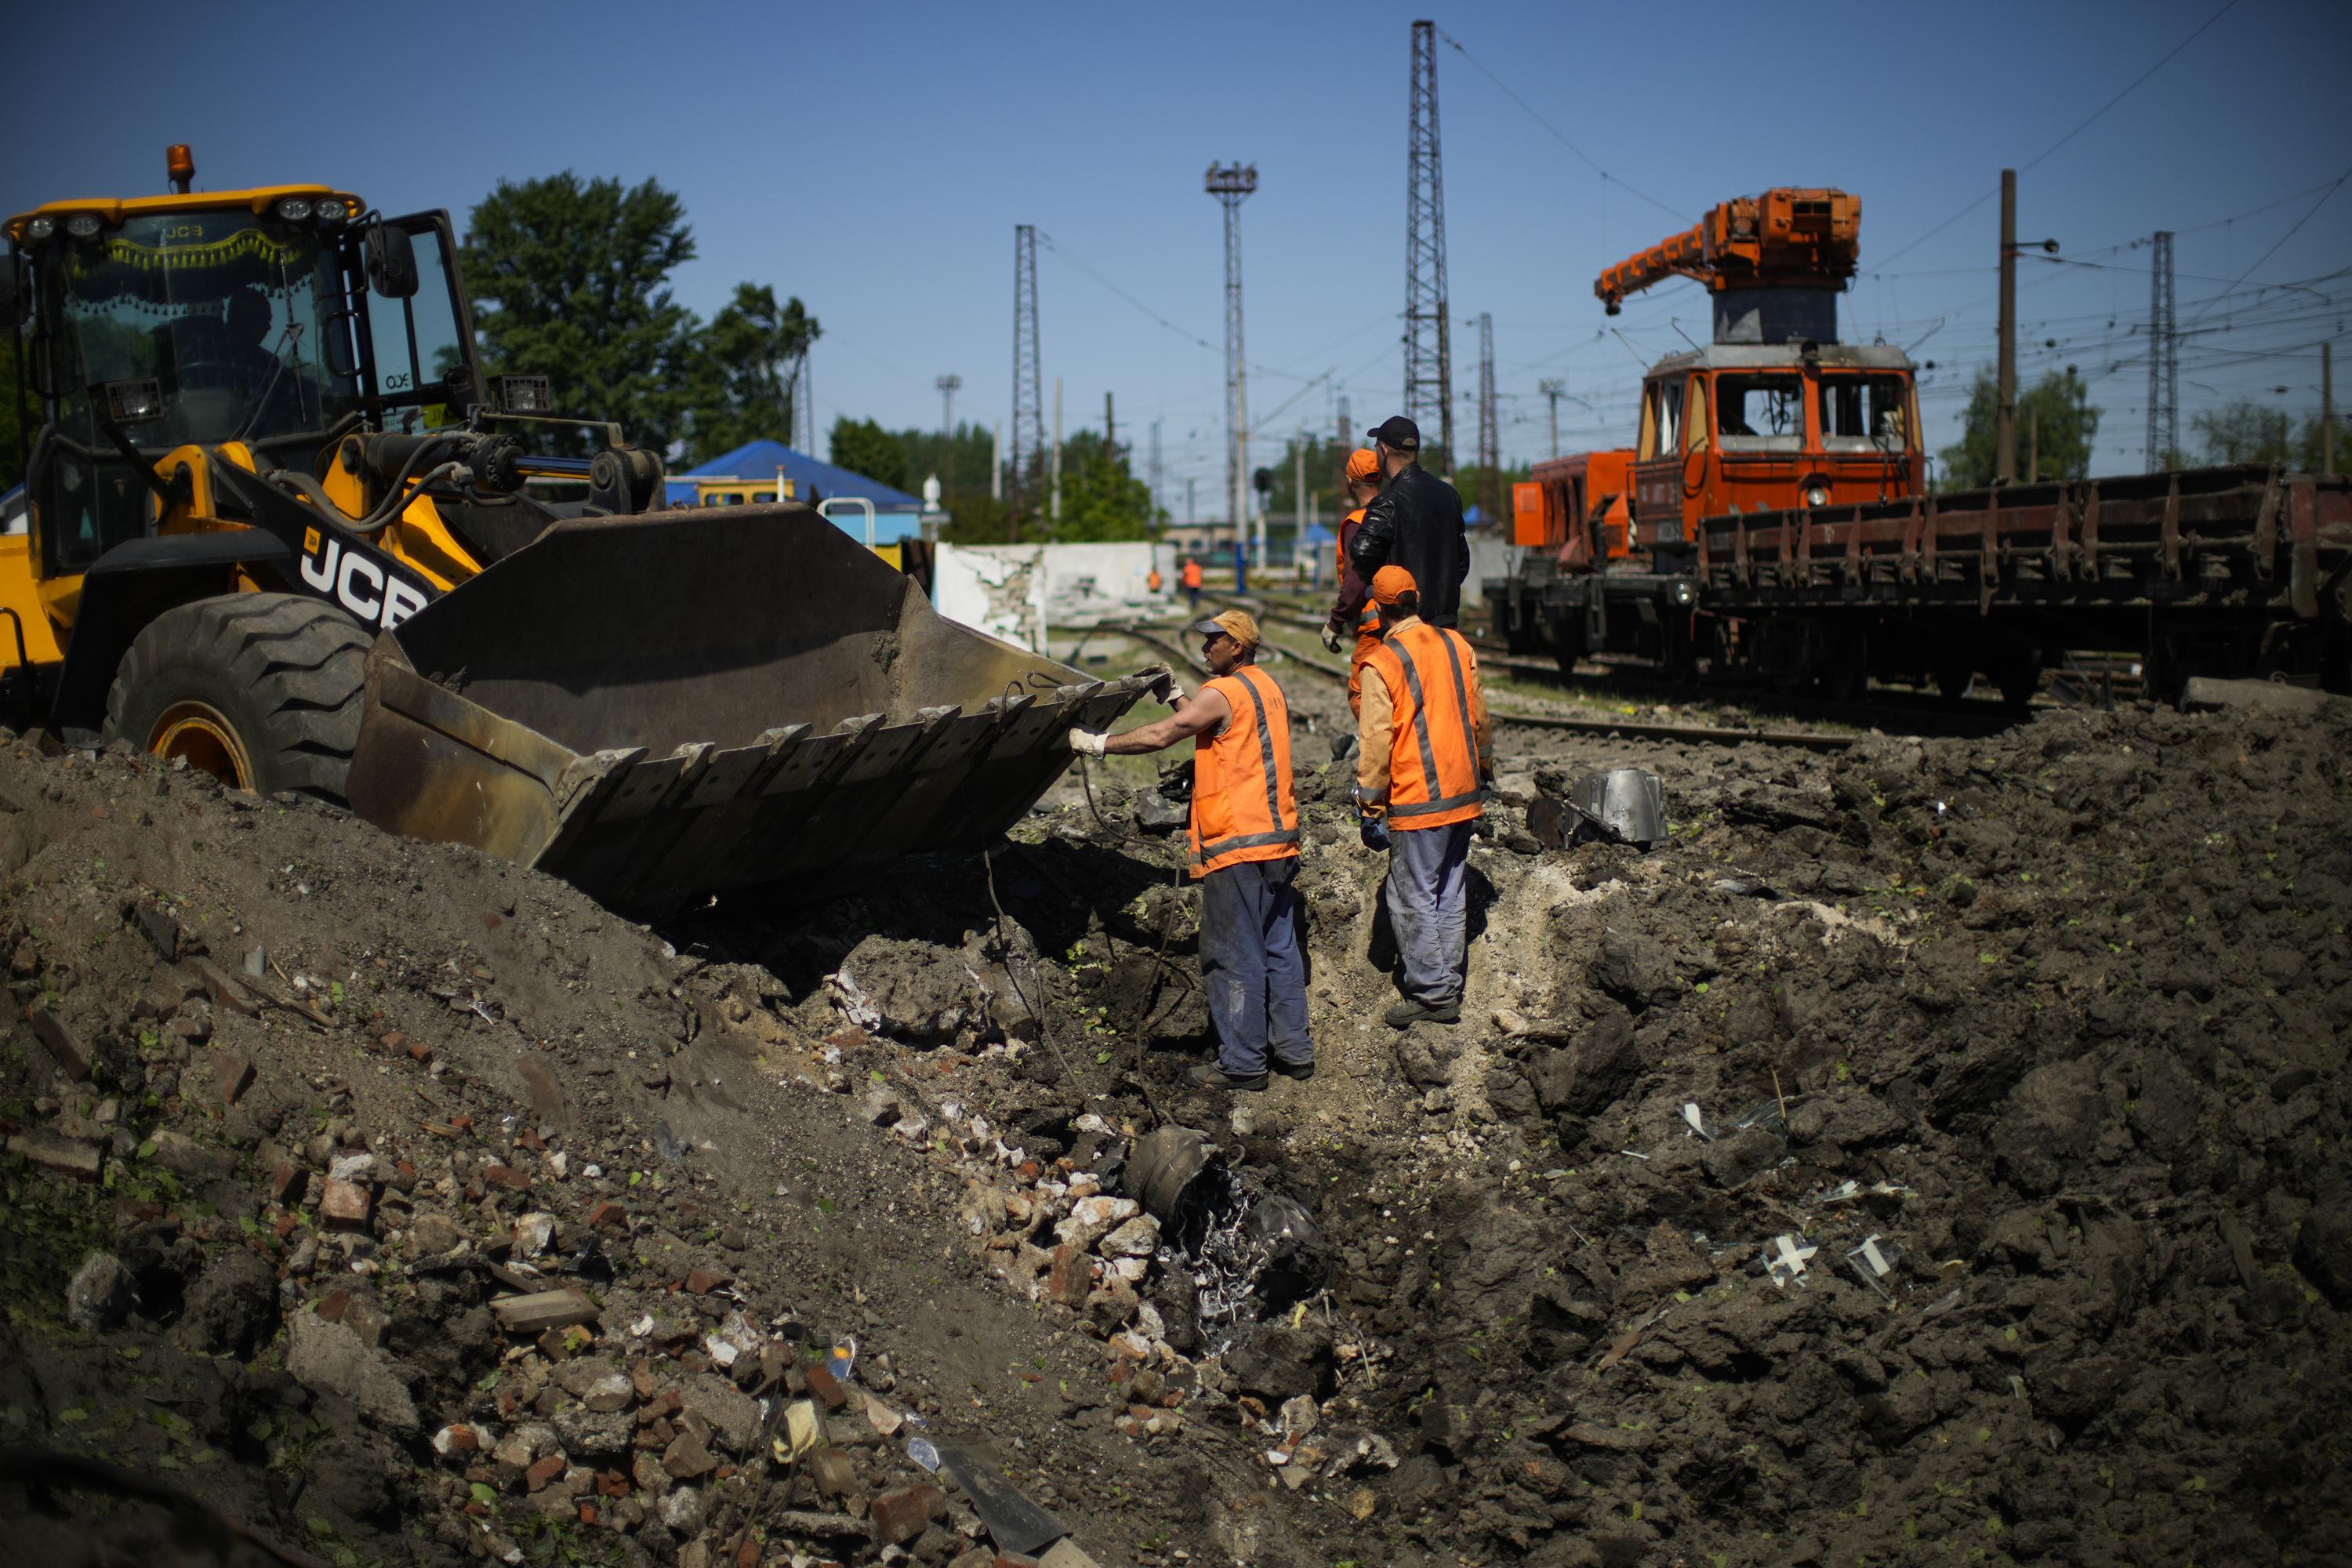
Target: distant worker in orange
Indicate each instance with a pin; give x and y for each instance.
(1190, 578)
(1421, 778)
(1152, 583)
(1245, 855)
(1354, 606)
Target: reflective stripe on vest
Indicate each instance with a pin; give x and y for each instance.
(1219, 783)
(1402, 648)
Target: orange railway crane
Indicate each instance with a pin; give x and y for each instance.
(1783, 239)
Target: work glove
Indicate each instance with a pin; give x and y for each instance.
(1171, 689)
(1371, 831)
(1331, 637)
(1089, 743)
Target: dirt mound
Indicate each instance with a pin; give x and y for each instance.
(1939, 1149)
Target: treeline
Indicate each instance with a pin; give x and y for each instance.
(1101, 497)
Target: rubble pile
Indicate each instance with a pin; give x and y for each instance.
(1936, 1150)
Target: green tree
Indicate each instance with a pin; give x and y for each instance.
(742, 390)
(2246, 432)
(570, 279)
(2068, 424)
(1100, 498)
(863, 447)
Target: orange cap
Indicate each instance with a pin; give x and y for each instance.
(1390, 583)
(1363, 464)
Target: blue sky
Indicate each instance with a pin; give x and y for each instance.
(874, 160)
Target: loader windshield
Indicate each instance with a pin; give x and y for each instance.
(230, 313)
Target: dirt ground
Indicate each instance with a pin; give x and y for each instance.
(1931, 1152)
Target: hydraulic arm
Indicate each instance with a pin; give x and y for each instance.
(1782, 239)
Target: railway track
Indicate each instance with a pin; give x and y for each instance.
(1631, 729)
(1913, 712)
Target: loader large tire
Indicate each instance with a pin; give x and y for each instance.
(261, 690)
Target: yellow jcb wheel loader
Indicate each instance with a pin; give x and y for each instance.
(279, 530)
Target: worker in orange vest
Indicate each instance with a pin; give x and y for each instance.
(1152, 581)
(1191, 577)
(1243, 853)
(1354, 606)
(1421, 782)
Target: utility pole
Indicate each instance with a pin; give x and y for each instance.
(2327, 408)
(948, 385)
(804, 413)
(1553, 388)
(1232, 183)
(1490, 438)
(2163, 359)
(1191, 517)
(1428, 351)
(2033, 445)
(1028, 405)
(1155, 470)
(1298, 495)
(1057, 458)
(1110, 430)
(1349, 434)
(2004, 408)
(996, 460)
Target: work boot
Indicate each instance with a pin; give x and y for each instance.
(1302, 1071)
(1209, 1075)
(1408, 1013)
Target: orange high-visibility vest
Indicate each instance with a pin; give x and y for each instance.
(1152, 581)
(1243, 808)
(1191, 573)
(1433, 744)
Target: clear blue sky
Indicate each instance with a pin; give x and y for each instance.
(874, 160)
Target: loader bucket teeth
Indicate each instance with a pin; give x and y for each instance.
(658, 707)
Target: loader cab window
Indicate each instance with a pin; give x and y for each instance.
(423, 371)
(1865, 414)
(228, 313)
(1760, 413)
(1662, 420)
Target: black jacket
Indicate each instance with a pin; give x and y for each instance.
(1416, 523)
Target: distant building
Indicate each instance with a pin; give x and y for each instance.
(897, 515)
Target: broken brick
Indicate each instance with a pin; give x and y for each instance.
(334, 1304)
(702, 1281)
(611, 1483)
(234, 1074)
(686, 1459)
(345, 1203)
(52, 1152)
(825, 1386)
(608, 1216)
(545, 1470)
(288, 1182)
(64, 1046)
(903, 1512)
(506, 1176)
(1070, 1279)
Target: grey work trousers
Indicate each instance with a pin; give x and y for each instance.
(1427, 894)
(1251, 966)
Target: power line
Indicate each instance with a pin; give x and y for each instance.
(2228, 6)
(2281, 239)
(1561, 136)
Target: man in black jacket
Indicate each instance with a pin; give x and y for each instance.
(1414, 522)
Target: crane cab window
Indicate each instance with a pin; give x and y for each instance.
(1760, 413)
(1865, 414)
(1699, 431)
(1662, 420)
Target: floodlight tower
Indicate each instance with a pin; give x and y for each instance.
(1028, 386)
(949, 387)
(1428, 347)
(1231, 183)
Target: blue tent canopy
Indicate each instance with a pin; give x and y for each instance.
(811, 480)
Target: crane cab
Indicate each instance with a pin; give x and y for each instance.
(1769, 426)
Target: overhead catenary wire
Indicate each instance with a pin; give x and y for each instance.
(2031, 164)
(1561, 136)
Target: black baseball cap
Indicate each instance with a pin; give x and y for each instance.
(1397, 431)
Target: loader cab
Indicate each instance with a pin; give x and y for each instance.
(1762, 427)
(223, 320)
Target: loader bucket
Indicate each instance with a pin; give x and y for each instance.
(657, 707)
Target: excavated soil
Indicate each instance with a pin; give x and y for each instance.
(1933, 1152)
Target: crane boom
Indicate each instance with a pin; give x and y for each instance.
(1785, 238)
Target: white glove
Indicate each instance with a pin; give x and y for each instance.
(1176, 693)
(1330, 639)
(1089, 743)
